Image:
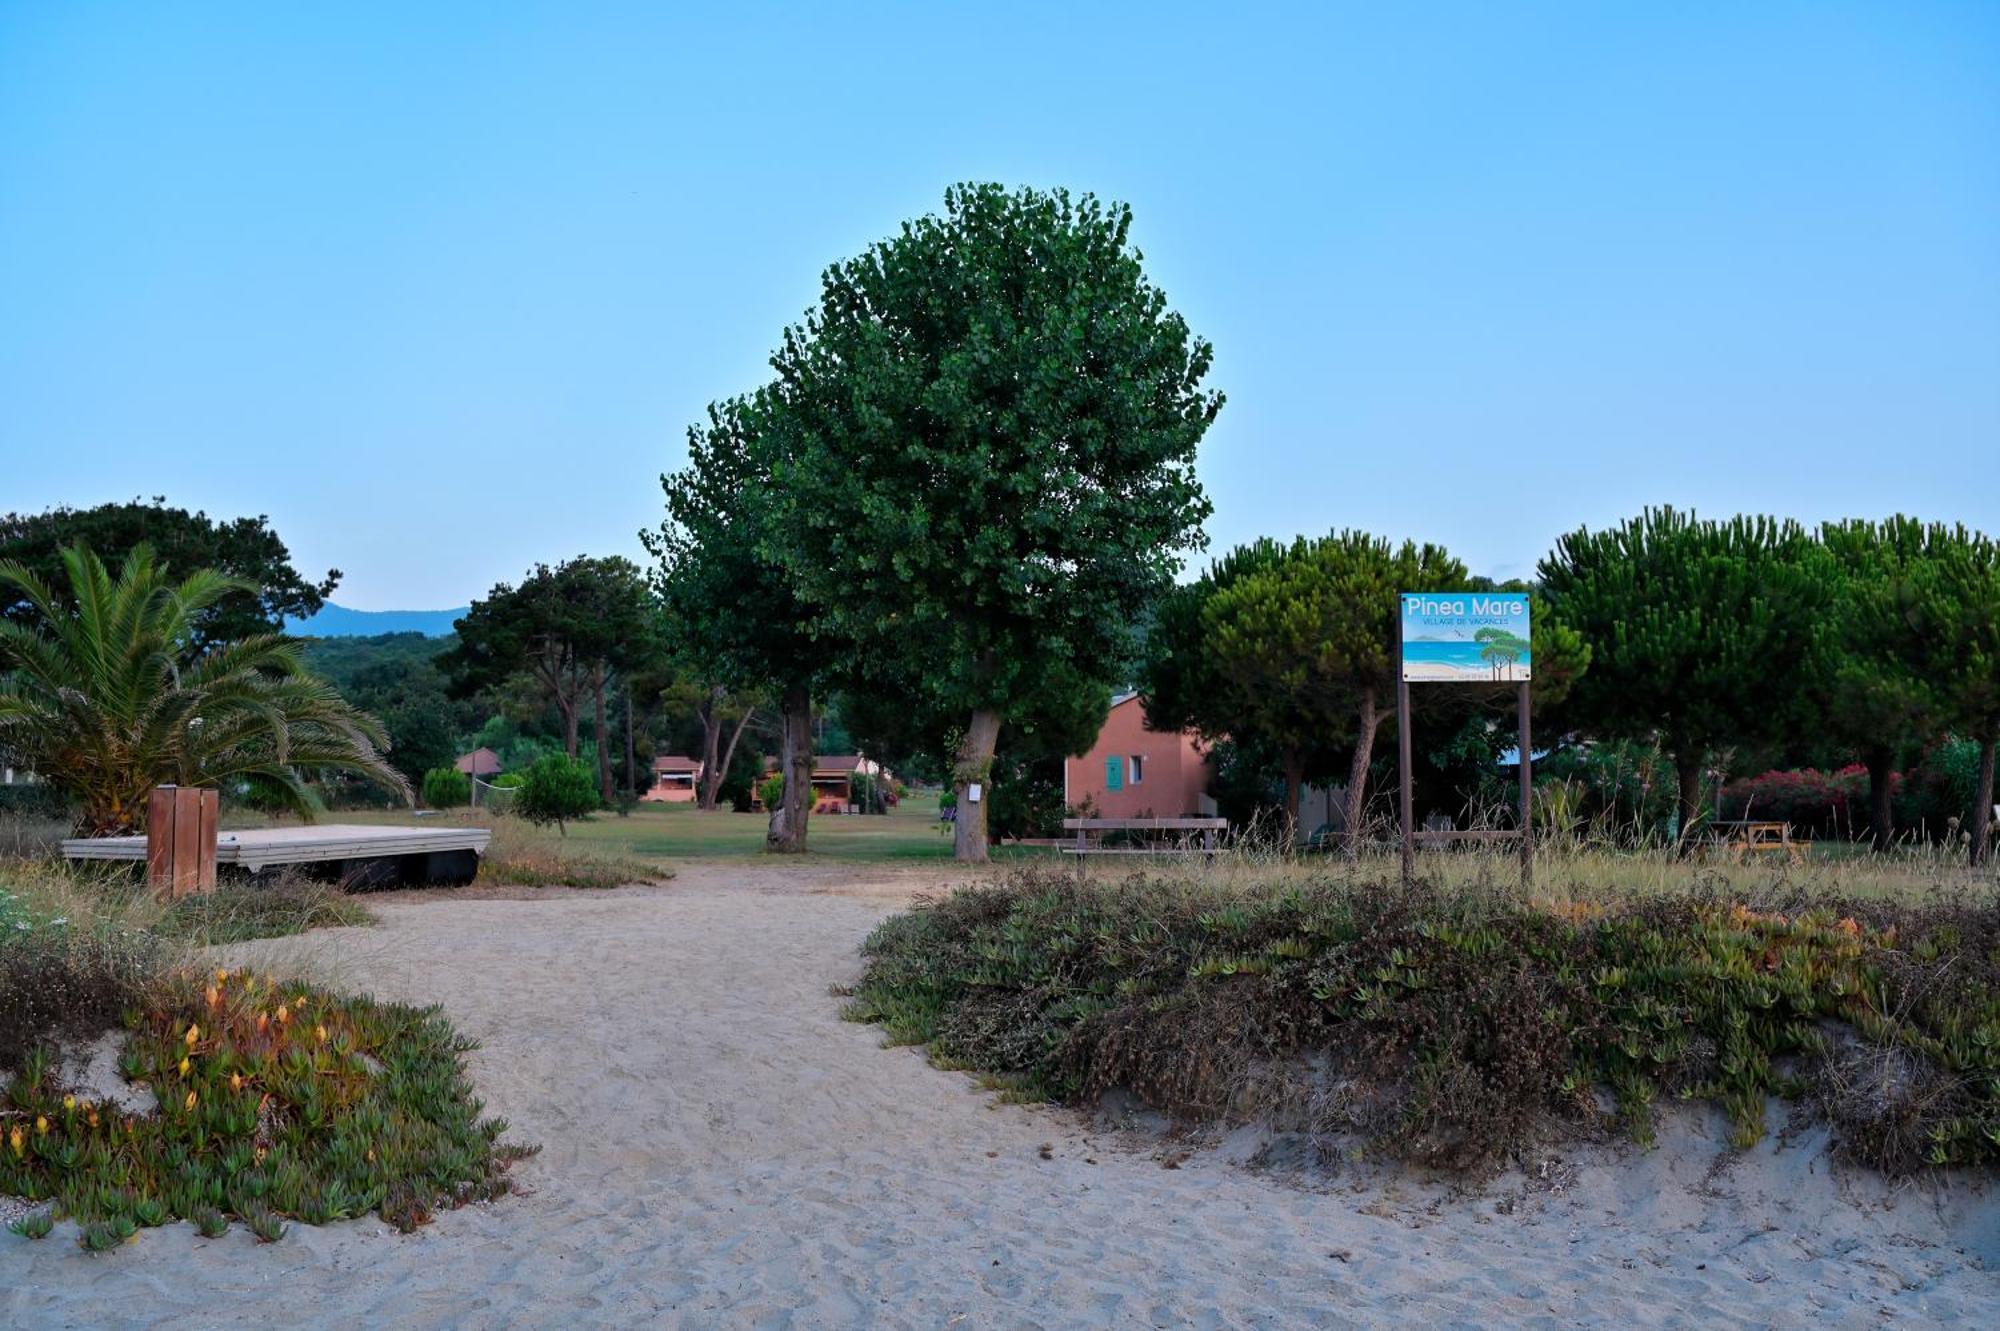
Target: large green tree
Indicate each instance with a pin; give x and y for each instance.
(1293, 645)
(1874, 699)
(1705, 634)
(566, 628)
(266, 592)
(1184, 685)
(734, 613)
(985, 437)
(111, 693)
(1943, 606)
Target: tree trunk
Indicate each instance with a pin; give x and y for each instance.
(1687, 772)
(1881, 818)
(567, 706)
(728, 756)
(795, 761)
(604, 791)
(974, 767)
(631, 748)
(711, 741)
(1294, 784)
(1982, 803)
(1369, 721)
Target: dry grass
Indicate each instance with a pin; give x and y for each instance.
(1577, 862)
(521, 855)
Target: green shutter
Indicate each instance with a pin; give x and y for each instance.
(1114, 774)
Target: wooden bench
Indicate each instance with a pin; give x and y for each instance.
(1185, 830)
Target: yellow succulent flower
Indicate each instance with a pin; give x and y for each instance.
(17, 1141)
(319, 1033)
(190, 1100)
(284, 1014)
(184, 1067)
(194, 1033)
(41, 1126)
(69, 1102)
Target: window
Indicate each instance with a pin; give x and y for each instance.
(1114, 774)
(1138, 768)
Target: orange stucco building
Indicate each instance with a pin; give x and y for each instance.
(1136, 772)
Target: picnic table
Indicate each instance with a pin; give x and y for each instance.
(1183, 834)
(1741, 839)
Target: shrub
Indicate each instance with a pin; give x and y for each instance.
(1823, 805)
(447, 788)
(34, 799)
(1449, 1028)
(771, 791)
(275, 1101)
(509, 781)
(555, 790)
(65, 979)
(1027, 800)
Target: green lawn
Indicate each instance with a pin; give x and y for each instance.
(682, 832)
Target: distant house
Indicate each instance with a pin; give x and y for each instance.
(675, 777)
(833, 780)
(1134, 771)
(482, 763)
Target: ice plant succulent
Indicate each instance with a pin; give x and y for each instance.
(378, 1118)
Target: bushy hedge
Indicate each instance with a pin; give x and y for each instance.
(1930, 800)
(447, 788)
(1823, 805)
(1451, 1029)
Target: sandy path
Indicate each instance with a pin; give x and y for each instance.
(720, 1149)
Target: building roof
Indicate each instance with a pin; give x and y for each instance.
(838, 762)
(675, 762)
(480, 762)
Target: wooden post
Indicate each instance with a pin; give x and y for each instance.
(211, 809)
(160, 840)
(1527, 740)
(180, 840)
(187, 841)
(1404, 748)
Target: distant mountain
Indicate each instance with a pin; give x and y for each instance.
(337, 621)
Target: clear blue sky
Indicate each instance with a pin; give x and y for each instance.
(439, 287)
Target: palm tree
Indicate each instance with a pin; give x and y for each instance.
(109, 697)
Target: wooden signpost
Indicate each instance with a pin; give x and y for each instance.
(1464, 638)
(180, 840)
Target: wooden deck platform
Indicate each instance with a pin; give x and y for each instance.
(255, 849)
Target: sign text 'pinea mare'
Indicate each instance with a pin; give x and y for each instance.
(1466, 637)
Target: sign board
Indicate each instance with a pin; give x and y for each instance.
(1466, 638)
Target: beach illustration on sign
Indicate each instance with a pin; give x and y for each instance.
(1466, 638)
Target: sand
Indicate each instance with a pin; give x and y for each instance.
(720, 1149)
